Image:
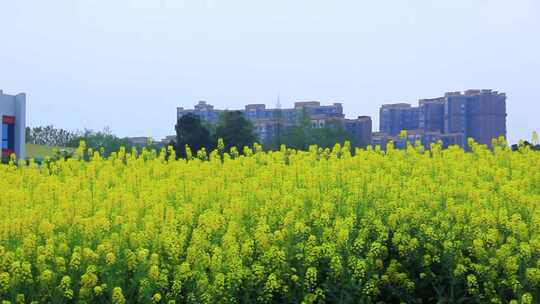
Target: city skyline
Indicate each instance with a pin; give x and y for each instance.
(451, 118)
(205, 108)
(128, 64)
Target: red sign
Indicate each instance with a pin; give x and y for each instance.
(7, 152)
(8, 120)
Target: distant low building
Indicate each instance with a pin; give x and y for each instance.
(168, 139)
(424, 138)
(140, 140)
(380, 139)
(13, 129)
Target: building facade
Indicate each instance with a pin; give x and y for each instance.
(13, 129)
(478, 114)
(360, 130)
(269, 122)
(397, 117)
(431, 114)
(452, 119)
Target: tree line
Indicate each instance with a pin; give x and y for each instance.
(104, 140)
(233, 130)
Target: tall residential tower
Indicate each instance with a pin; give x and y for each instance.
(476, 114)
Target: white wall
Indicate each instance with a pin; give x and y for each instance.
(15, 105)
(7, 104)
(20, 125)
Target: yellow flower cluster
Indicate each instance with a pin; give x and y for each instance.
(324, 225)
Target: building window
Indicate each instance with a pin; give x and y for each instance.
(8, 135)
(4, 136)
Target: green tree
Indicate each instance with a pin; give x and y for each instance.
(191, 132)
(535, 140)
(297, 136)
(328, 135)
(104, 141)
(50, 136)
(235, 130)
(304, 133)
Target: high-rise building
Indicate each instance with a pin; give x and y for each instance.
(476, 114)
(397, 117)
(360, 130)
(204, 110)
(487, 116)
(12, 130)
(431, 114)
(479, 114)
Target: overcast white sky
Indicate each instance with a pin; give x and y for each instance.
(128, 64)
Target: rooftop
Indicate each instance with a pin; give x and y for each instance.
(400, 105)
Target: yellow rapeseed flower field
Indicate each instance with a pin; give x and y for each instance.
(324, 225)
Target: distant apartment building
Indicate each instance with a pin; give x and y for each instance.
(13, 115)
(452, 119)
(478, 114)
(167, 140)
(397, 117)
(140, 140)
(269, 122)
(204, 110)
(360, 129)
(431, 114)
